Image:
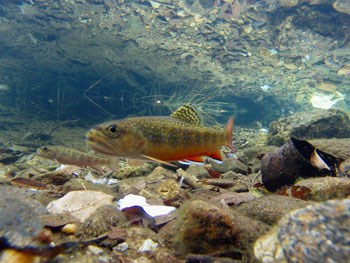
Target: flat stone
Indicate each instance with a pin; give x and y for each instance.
(270, 208)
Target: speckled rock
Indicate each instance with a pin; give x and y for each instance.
(270, 208)
(203, 228)
(317, 233)
(325, 188)
(101, 221)
(307, 125)
(206, 228)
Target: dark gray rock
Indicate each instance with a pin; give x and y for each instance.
(307, 125)
(19, 217)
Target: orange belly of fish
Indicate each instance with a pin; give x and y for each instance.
(190, 153)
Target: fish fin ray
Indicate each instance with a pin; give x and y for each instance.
(114, 163)
(158, 161)
(229, 128)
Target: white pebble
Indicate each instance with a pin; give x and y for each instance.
(95, 250)
(122, 247)
(148, 245)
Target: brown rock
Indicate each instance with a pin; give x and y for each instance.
(325, 188)
(206, 228)
(102, 221)
(203, 228)
(269, 209)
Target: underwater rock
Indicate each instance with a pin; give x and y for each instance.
(22, 234)
(270, 208)
(317, 233)
(206, 228)
(332, 123)
(19, 217)
(340, 148)
(297, 158)
(80, 184)
(288, 3)
(102, 221)
(342, 6)
(229, 164)
(203, 228)
(198, 171)
(325, 188)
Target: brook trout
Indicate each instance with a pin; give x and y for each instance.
(166, 138)
(66, 155)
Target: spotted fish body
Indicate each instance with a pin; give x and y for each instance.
(168, 138)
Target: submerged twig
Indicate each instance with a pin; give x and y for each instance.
(54, 128)
(93, 102)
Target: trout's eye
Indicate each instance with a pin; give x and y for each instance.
(113, 130)
(45, 149)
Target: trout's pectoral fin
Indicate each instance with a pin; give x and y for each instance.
(114, 164)
(136, 162)
(158, 161)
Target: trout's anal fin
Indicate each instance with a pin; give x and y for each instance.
(197, 159)
(217, 155)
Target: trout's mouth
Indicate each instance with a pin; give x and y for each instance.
(99, 143)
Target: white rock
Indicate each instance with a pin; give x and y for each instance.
(122, 247)
(95, 250)
(323, 101)
(148, 245)
(154, 4)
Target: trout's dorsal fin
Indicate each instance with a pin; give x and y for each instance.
(188, 114)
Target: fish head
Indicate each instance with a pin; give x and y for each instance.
(116, 138)
(48, 152)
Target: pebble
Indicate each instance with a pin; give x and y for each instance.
(95, 250)
(148, 245)
(69, 229)
(122, 247)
